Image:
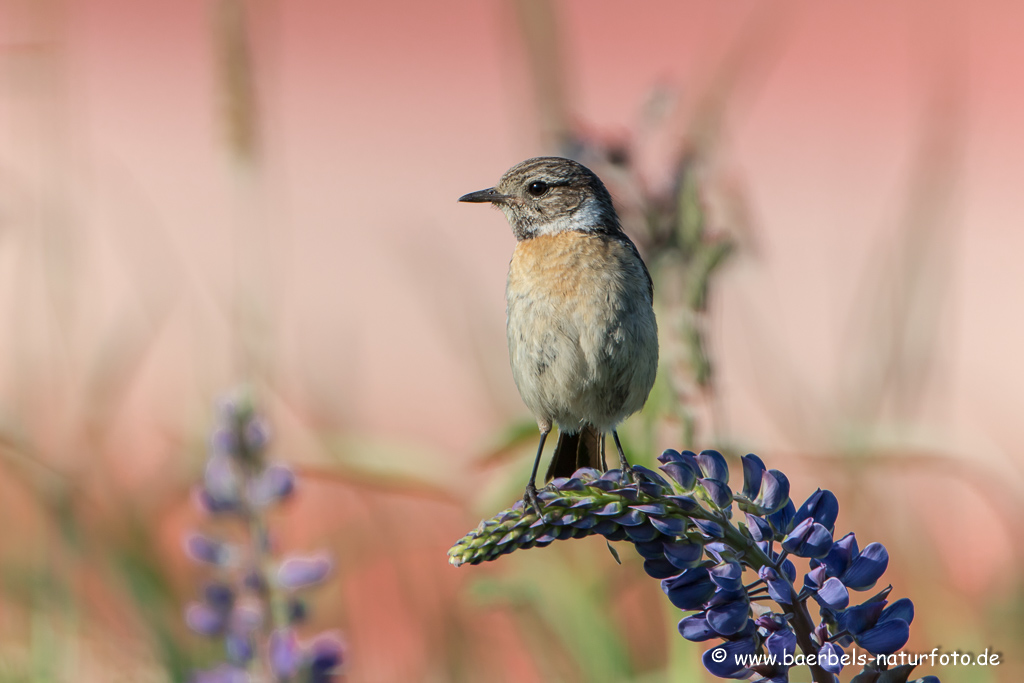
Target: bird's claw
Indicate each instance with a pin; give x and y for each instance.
(631, 477)
(530, 499)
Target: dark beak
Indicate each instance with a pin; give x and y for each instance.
(489, 195)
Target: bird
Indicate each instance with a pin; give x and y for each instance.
(582, 333)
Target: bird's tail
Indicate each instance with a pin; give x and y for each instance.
(574, 451)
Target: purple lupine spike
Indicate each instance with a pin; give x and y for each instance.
(675, 533)
(239, 480)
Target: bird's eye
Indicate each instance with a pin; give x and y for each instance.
(537, 188)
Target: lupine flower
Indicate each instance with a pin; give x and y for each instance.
(681, 522)
(252, 605)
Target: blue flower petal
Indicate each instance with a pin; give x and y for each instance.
(275, 484)
(753, 468)
(630, 518)
(616, 534)
(325, 654)
(730, 666)
(901, 609)
(205, 549)
(695, 628)
(774, 491)
(653, 550)
(816, 578)
(204, 619)
(680, 473)
(728, 576)
(587, 474)
(713, 465)
(782, 521)
(690, 590)
(861, 617)
(830, 658)
(670, 526)
(299, 572)
(840, 555)
(708, 528)
(808, 539)
(758, 528)
(612, 509)
(573, 484)
(780, 590)
(651, 476)
(771, 622)
(650, 508)
(780, 643)
(823, 506)
(682, 553)
(867, 567)
(585, 523)
(284, 653)
(221, 483)
(730, 618)
(718, 493)
(886, 638)
(642, 533)
(660, 568)
(685, 503)
(833, 594)
(670, 455)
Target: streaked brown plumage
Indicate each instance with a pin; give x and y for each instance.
(582, 336)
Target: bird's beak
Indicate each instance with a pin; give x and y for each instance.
(479, 197)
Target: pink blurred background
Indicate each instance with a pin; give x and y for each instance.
(180, 212)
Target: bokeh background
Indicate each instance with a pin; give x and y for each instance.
(202, 194)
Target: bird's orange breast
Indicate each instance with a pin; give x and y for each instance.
(565, 264)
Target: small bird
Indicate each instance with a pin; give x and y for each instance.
(582, 337)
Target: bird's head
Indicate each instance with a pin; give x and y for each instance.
(548, 195)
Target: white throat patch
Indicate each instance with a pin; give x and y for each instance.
(585, 218)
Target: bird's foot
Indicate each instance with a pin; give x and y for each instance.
(530, 499)
(631, 477)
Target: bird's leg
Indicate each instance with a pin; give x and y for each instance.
(604, 463)
(530, 497)
(627, 469)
